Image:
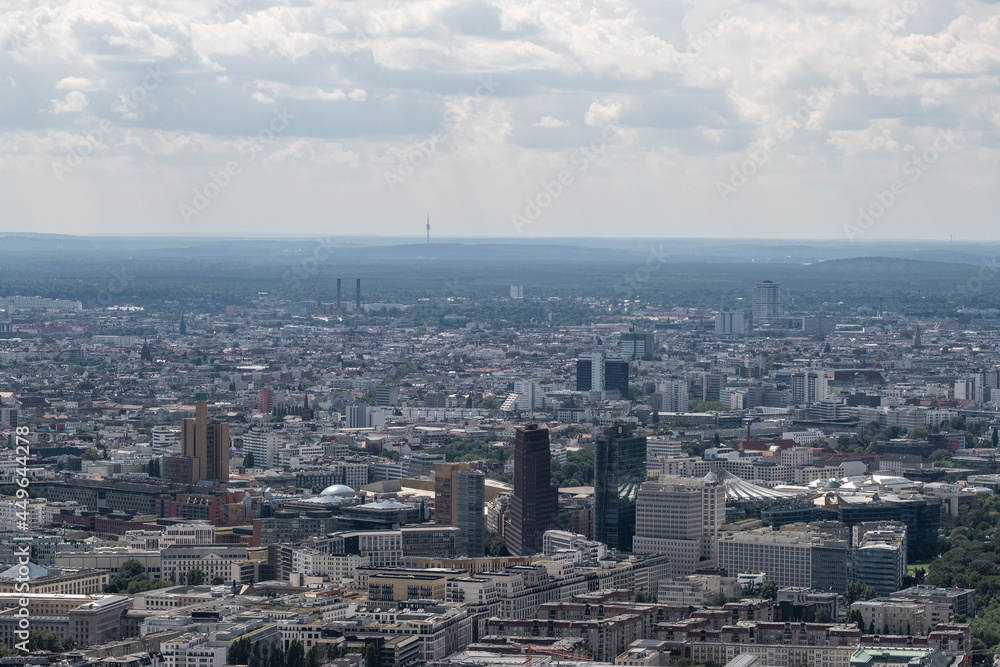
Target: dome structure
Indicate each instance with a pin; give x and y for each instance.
(337, 490)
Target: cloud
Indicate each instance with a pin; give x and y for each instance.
(551, 121)
(75, 101)
(696, 84)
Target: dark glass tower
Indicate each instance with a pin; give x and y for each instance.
(619, 470)
(535, 502)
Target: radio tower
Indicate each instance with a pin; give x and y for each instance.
(428, 227)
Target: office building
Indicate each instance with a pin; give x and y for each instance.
(459, 501)
(517, 291)
(713, 385)
(681, 517)
(357, 415)
(767, 304)
(204, 449)
(880, 557)
(672, 396)
(598, 372)
(386, 395)
(802, 560)
(731, 324)
(809, 386)
(619, 471)
(637, 345)
(534, 503)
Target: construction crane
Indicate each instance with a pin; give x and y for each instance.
(529, 649)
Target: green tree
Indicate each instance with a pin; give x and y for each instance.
(44, 640)
(248, 461)
(823, 615)
(91, 454)
(768, 590)
(216, 580)
(195, 577)
(995, 438)
(495, 545)
(643, 597)
(316, 656)
(371, 655)
(918, 433)
(859, 592)
(295, 655)
(154, 468)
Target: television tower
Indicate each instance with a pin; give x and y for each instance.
(428, 227)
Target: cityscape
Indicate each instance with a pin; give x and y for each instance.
(499, 333)
(337, 480)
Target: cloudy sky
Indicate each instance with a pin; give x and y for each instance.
(532, 118)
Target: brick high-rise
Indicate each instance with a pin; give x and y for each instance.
(204, 449)
(534, 504)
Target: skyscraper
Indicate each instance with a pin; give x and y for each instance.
(204, 449)
(460, 500)
(619, 471)
(767, 301)
(535, 502)
(680, 516)
(597, 372)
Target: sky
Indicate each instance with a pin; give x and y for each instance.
(842, 119)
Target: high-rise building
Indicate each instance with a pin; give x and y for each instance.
(680, 516)
(386, 395)
(767, 304)
(460, 501)
(731, 324)
(598, 372)
(713, 386)
(471, 500)
(673, 395)
(616, 376)
(204, 449)
(809, 386)
(534, 504)
(590, 372)
(619, 471)
(266, 400)
(637, 345)
(357, 415)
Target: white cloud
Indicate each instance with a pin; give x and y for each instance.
(74, 83)
(369, 81)
(75, 101)
(551, 121)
